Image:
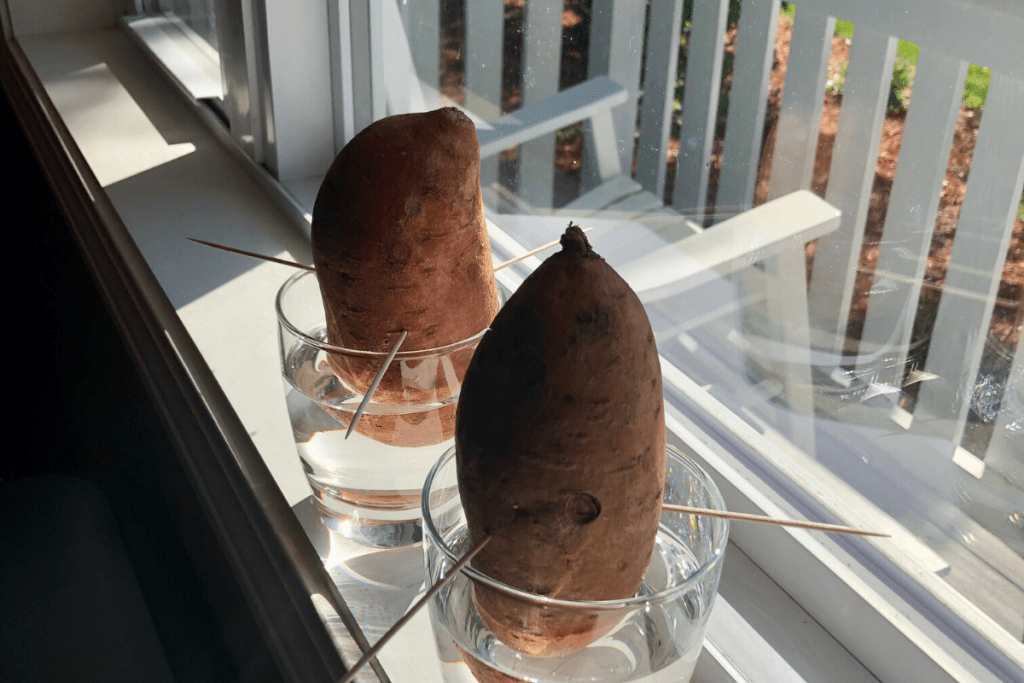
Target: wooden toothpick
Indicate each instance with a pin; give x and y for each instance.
(394, 349)
(376, 381)
(433, 590)
(738, 516)
(251, 254)
(311, 269)
(532, 252)
(744, 517)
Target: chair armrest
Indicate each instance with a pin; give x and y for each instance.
(755, 235)
(580, 102)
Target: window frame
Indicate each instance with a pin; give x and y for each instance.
(235, 488)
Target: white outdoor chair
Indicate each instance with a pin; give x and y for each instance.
(660, 251)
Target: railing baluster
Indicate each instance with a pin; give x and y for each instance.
(422, 21)
(542, 49)
(800, 113)
(659, 93)
(852, 173)
(483, 60)
(911, 214)
(700, 105)
(748, 99)
(616, 51)
(976, 263)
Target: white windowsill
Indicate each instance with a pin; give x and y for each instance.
(170, 178)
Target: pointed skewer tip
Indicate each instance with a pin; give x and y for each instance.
(376, 381)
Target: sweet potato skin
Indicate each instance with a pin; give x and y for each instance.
(410, 430)
(400, 243)
(560, 439)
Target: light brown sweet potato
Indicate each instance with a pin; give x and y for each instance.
(560, 438)
(400, 243)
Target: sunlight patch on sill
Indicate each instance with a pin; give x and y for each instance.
(84, 97)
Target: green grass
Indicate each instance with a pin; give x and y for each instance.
(902, 75)
(907, 51)
(977, 86)
(844, 29)
(906, 61)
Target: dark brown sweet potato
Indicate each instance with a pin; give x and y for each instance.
(560, 438)
(400, 243)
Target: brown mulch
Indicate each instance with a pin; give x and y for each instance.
(1008, 315)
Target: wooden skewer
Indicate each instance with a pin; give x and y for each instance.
(251, 254)
(744, 517)
(530, 253)
(311, 269)
(394, 349)
(293, 264)
(739, 516)
(376, 381)
(431, 592)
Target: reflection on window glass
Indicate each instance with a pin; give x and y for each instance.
(198, 15)
(884, 353)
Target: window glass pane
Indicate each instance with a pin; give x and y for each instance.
(182, 35)
(198, 15)
(882, 350)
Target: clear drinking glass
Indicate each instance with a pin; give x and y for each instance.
(654, 636)
(366, 487)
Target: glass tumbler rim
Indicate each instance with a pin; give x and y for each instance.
(666, 594)
(282, 318)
